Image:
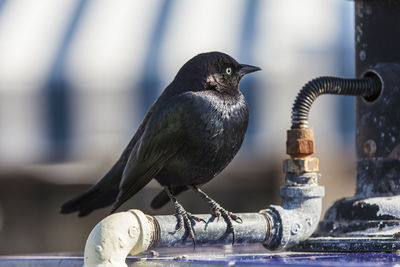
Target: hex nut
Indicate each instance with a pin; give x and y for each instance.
(369, 148)
(300, 142)
(302, 165)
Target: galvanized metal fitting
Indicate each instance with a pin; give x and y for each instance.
(297, 218)
(298, 179)
(302, 165)
(133, 232)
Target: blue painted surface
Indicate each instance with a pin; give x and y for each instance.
(312, 259)
(267, 259)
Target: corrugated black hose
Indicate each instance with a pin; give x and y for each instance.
(369, 87)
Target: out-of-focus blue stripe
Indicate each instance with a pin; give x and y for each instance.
(2, 4)
(246, 55)
(58, 93)
(150, 81)
(346, 68)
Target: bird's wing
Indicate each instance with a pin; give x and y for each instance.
(106, 190)
(162, 138)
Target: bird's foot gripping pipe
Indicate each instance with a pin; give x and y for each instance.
(277, 227)
(133, 232)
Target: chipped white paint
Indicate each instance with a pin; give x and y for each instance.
(116, 236)
(363, 55)
(387, 205)
(385, 231)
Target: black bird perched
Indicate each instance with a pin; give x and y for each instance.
(189, 135)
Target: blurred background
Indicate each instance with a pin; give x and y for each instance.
(77, 76)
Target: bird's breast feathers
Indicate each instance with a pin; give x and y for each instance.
(217, 115)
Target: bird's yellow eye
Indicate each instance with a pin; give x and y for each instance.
(228, 71)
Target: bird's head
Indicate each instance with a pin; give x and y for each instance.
(218, 71)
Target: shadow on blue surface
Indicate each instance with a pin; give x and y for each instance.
(312, 259)
(218, 257)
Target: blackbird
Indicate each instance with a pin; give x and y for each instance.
(188, 136)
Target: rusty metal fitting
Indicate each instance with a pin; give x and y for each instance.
(369, 148)
(300, 142)
(301, 165)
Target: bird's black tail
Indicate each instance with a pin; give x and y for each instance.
(162, 198)
(98, 196)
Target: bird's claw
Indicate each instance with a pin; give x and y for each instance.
(235, 217)
(185, 220)
(195, 218)
(217, 211)
(180, 223)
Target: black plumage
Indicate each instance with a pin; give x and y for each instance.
(189, 135)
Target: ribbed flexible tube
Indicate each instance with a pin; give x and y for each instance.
(367, 87)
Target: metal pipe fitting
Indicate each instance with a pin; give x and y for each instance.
(117, 235)
(133, 232)
(253, 229)
(299, 215)
(297, 218)
(276, 227)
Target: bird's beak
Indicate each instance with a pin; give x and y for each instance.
(245, 69)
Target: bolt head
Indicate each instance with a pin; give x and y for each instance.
(369, 148)
(301, 165)
(300, 142)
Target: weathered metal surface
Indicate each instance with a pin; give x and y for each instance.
(377, 42)
(303, 165)
(377, 122)
(354, 216)
(378, 177)
(253, 229)
(377, 35)
(375, 208)
(295, 179)
(300, 142)
(369, 147)
(298, 216)
(346, 244)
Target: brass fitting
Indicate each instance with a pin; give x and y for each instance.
(300, 142)
(300, 147)
(301, 165)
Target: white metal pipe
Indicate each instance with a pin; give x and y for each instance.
(133, 232)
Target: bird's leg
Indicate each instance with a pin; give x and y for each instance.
(218, 211)
(184, 217)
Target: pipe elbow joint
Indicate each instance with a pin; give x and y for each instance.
(297, 218)
(116, 236)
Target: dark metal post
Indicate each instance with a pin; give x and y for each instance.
(374, 210)
(377, 43)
